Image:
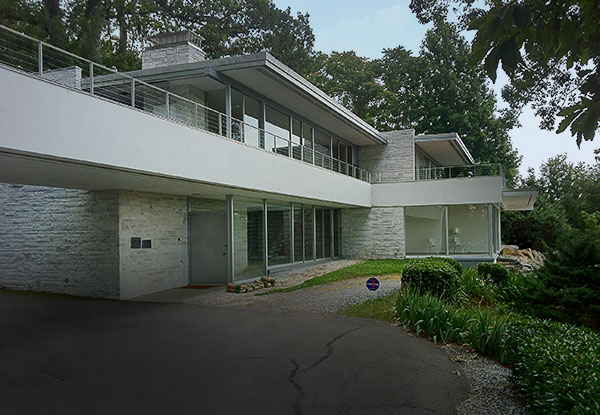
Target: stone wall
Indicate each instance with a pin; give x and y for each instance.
(394, 161)
(59, 240)
(162, 219)
(374, 233)
(172, 54)
(70, 76)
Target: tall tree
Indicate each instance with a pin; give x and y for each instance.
(549, 49)
(352, 80)
(114, 32)
(437, 91)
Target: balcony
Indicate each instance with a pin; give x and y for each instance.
(37, 58)
(450, 172)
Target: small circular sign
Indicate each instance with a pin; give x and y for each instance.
(372, 284)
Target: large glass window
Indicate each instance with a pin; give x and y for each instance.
(307, 138)
(278, 125)
(309, 229)
(319, 232)
(298, 234)
(279, 233)
(215, 99)
(251, 117)
(425, 230)
(248, 238)
(327, 233)
(468, 229)
(296, 139)
(336, 233)
(237, 114)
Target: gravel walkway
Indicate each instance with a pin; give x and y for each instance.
(491, 392)
(490, 388)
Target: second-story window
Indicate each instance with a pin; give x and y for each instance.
(251, 117)
(277, 129)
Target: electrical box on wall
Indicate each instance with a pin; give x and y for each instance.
(147, 243)
(136, 242)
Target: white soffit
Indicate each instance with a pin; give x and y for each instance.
(446, 149)
(519, 199)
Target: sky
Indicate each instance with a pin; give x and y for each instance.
(369, 26)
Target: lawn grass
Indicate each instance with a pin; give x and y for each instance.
(364, 269)
(383, 309)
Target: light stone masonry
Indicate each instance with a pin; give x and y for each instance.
(59, 240)
(171, 54)
(394, 161)
(163, 220)
(375, 233)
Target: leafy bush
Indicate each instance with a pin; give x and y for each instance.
(430, 316)
(434, 275)
(496, 272)
(450, 261)
(556, 365)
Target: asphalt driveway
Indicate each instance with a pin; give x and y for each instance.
(80, 356)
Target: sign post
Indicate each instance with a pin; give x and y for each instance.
(372, 285)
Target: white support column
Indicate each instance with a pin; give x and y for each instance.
(265, 238)
(40, 59)
(447, 231)
(499, 236)
(230, 238)
(490, 229)
(314, 215)
(92, 78)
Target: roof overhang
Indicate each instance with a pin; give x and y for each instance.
(446, 149)
(519, 199)
(270, 79)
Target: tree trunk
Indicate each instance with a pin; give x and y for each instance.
(54, 23)
(95, 18)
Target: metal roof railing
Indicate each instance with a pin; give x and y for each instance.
(442, 173)
(66, 69)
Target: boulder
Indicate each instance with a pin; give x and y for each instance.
(525, 260)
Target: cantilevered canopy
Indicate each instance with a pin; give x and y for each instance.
(519, 199)
(266, 78)
(446, 149)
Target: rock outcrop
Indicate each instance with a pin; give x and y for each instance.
(525, 260)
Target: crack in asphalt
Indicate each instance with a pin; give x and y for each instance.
(296, 371)
(301, 394)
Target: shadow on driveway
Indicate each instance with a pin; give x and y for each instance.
(82, 356)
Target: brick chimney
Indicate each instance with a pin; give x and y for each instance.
(173, 48)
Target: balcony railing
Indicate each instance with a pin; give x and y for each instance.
(40, 59)
(441, 173)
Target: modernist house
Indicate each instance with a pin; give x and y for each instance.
(195, 171)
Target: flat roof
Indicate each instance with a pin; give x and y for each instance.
(447, 149)
(519, 199)
(263, 74)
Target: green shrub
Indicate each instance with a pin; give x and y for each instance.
(557, 366)
(450, 261)
(431, 275)
(495, 272)
(431, 316)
